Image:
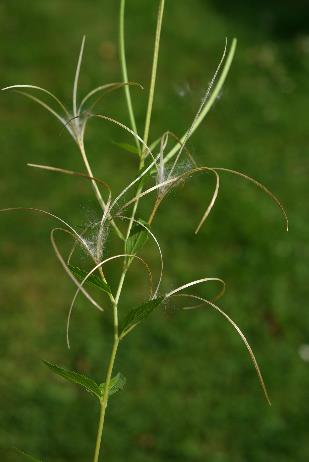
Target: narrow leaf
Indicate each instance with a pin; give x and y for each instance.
(127, 147)
(74, 377)
(116, 384)
(137, 239)
(92, 280)
(138, 314)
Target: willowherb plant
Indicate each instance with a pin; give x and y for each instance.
(159, 170)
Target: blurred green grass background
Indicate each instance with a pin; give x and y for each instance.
(192, 394)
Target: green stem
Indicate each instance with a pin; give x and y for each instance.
(150, 104)
(154, 71)
(115, 301)
(99, 435)
(124, 70)
(104, 400)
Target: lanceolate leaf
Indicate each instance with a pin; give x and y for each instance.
(116, 384)
(128, 147)
(92, 280)
(137, 239)
(74, 377)
(138, 314)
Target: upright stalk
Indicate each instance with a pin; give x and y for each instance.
(124, 70)
(154, 71)
(104, 400)
(150, 103)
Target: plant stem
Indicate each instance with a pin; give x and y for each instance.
(104, 400)
(124, 70)
(150, 103)
(115, 301)
(99, 435)
(154, 71)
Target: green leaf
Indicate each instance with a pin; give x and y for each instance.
(74, 377)
(137, 239)
(138, 314)
(116, 384)
(92, 280)
(27, 456)
(128, 147)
